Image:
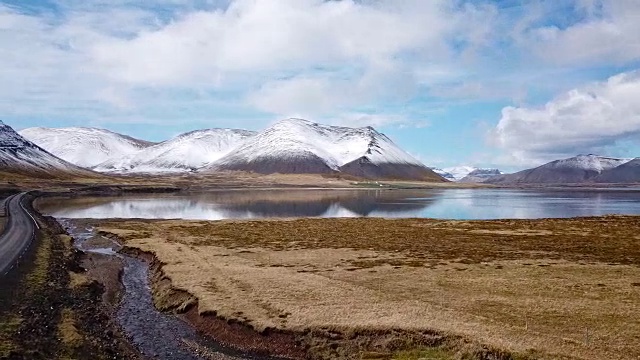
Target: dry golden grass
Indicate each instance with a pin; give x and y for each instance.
(563, 288)
(77, 280)
(67, 330)
(9, 325)
(37, 278)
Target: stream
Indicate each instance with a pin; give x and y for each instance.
(155, 334)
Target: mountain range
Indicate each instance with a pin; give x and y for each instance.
(480, 175)
(290, 146)
(576, 170)
(467, 174)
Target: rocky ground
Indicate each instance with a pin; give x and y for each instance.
(48, 310)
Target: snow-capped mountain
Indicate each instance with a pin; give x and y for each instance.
(578, 169)
(459, 172)
(289, 146)
(18, 154)
(466, 173)
(85, 147)
(480, 175)
(186, 152)
(628, 172)
(443, 173)
(301, 146)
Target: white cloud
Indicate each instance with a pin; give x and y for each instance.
(375, 120)
(281, 35)
(584, 120)
(331, 92)
(118, 58)
(608, 34)
(348, 61)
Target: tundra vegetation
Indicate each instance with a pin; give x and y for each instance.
(420, 288)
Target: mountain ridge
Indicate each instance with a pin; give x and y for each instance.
(186, 152)
(19, 155)
(84, 146)
(574, 170)
(301, 146)
(289, 146)
(628, 172)
(480, 175)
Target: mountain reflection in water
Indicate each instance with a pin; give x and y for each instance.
(434, 203)
(248, 204)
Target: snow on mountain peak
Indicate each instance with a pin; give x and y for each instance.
(19, 154)
(590, 162)
(185, 152)
(300, 146)
(459, 172)
(480, 175)
(288, 146)
(83, 146)
(335, 145)
(443, 173)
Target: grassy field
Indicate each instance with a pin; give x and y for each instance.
(554, 288)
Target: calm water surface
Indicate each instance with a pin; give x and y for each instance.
(443, 204)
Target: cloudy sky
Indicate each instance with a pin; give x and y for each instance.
(509, 83)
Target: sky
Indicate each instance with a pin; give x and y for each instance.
(505, 83)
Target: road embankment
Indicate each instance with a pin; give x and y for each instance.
(44, 314)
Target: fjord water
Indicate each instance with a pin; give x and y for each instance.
(466, 204)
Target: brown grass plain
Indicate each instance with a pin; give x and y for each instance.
(548, 289)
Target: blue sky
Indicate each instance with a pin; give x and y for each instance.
(507, 84)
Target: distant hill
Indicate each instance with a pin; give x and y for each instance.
(480, 175)
(628, 172)
(466, 174)
(575, 170)
(459, 172)
(443, 173)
